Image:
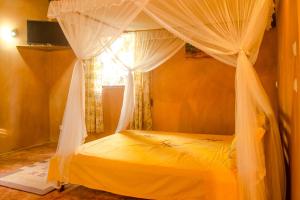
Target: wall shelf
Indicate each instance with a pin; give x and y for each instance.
(44, 47)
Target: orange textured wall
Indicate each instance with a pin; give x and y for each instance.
(193, 95)
(197, 95)
(296, 139)
(289, 29)
(24, 93)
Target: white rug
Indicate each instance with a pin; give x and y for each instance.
(32, 178)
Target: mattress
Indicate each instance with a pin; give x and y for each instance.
(155, 165)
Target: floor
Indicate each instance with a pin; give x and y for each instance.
(14, 160)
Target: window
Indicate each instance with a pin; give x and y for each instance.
(113, 70)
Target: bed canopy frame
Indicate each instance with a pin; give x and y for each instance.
(228, 30)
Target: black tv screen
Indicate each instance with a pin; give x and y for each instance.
(44, 32)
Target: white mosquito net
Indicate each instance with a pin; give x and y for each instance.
(229, 30)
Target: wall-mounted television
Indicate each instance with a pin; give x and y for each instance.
(45, 33)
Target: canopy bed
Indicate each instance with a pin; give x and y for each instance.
(228, 30)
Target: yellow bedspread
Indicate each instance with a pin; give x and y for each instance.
(155, 165)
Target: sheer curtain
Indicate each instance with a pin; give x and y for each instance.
(231, 31)
(89, 26)
(93, 96)
(151, 48)
(142, 117)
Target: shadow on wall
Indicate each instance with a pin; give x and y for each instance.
(49, 66)
(53, 71)
(33, 97)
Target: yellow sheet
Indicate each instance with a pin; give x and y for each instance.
(155, 165)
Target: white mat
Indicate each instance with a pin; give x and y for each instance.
(32, 178)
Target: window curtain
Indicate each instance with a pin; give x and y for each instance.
(93, 97)
(142, 117)
(89, 26)
(231, 31)
(151, 48)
